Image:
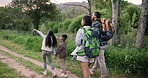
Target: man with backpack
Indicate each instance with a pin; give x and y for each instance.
(104, 25)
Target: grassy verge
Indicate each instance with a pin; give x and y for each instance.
(28, 64)
(6, 72)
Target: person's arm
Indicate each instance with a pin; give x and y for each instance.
(59, 49)
(79, 37)
(40, 33)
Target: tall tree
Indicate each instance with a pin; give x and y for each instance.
(115, 13)
(89, 7)
(119, 24)
(143, 21)
(37, 10)
(14, 19)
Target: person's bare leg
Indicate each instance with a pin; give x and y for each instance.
(85, 68)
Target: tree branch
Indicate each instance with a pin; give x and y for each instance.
(78, 5)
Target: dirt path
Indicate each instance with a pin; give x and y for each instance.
(24, 71)
(57, 70)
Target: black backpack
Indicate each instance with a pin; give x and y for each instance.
(107, 29)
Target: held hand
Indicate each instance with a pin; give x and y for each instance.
(54, 56)
(57, 37)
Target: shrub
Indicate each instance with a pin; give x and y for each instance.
(131, 61)
(75, 24)
(68, 25)
(29, 41)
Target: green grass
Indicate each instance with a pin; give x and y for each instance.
(118, 59)
(28, 64)
(6, 72)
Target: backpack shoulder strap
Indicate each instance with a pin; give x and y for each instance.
(87, 35)
(106, 23)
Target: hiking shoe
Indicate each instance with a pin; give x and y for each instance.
(64, 75)
(92, 72)
(45, 72)
(54, 75)
(102, 77)
(61, 70)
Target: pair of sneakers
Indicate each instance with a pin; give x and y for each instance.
(53, 73)
(45, 72)
(64, 75)
(92, 72)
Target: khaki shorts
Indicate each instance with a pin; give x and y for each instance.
(85, 59)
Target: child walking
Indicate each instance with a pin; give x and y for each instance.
(48, 44)
(61, 52)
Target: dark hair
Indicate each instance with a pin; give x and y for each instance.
(97, 14)
(87, 20)
(50, 36)
(64, 36)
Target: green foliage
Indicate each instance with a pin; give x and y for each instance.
(129, 18)
(106, 13)
(75, 24)
(37, 10)
(54, 26)
(101, 4)
(127, 58)
(131, 61)
(14, 19)
(68, 25)
(29, 41)
(134, 23)
(131, 9)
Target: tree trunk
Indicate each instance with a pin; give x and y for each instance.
(89, 7)
(142, 24)
(115, 9)
(119, 25)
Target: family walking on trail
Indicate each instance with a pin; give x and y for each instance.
(91, 40)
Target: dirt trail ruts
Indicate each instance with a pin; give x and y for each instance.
(24, 71)
(57, 70)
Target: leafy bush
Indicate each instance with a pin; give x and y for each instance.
(76, 24)
(126, 57)
(131, 61)
(54, 26)
(29, 41)
(68, 25)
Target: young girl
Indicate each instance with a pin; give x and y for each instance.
(48, 44)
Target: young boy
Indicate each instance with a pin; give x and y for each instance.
(61, 51)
